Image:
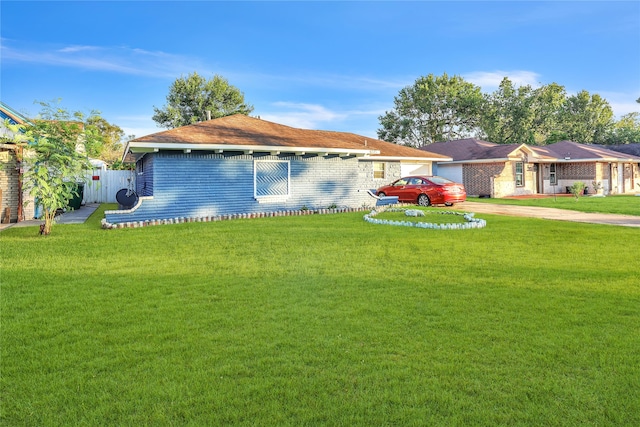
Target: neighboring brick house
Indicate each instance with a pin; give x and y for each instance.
(239, 164)
(12, 197)
(503, 170)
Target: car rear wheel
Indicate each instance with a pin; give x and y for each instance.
(423, 200)
(381, 194)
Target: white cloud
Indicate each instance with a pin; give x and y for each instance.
(73, 49)
(490, 80)
(314, 116)
(122, 59)
(300, 115)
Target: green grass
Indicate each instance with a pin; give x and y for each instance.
(320, 320)
(624, 205)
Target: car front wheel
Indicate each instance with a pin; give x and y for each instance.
(381, 194)
(423, 200)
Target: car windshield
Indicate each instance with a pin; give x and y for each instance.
(440, 180)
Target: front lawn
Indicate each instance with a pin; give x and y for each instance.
(320, 320)
(624, 205)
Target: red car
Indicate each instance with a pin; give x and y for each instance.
(425, 190)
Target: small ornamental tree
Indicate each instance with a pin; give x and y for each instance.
(577, 189)
(54, 162)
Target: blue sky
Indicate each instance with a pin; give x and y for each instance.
(317, 65)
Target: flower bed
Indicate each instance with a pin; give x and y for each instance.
(471, 220)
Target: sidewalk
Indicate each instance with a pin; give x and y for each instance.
(77, 216)
(551, 213)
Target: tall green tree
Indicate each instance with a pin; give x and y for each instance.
(547, 102)
(191, 97)
(509, 114)
(586, 118)
(53, 159)
(523, 114)
(434, 108)
(626, 130)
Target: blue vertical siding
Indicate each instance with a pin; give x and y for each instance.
(206, 184)
(144, 179)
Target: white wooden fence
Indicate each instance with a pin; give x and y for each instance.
(102, 185)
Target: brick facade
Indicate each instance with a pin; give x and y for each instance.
(576, 171)
(9, 188)
(477, 177)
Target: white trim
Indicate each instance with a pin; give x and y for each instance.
(146, 147)
(539, 160)
(274, 198)
(407, 159)
(271, 199)
(455, 162)
(133, 209)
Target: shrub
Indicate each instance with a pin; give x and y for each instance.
(577, 189)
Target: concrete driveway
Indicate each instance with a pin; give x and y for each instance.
(77, 216)
(550, 213)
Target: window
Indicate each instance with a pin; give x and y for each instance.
(271, 180)
(378, 170)
(552, 174)
(519, 174)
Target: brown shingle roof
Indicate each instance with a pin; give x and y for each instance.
(241, 130)
(574, 151)
(476, 150)
(471, 149)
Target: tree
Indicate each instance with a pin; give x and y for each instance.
(109, 146)
(433, 109)
(53, 160)
(523, 115)
(508, 114)
(626, 130)
(547, 102)
(190, 98)
(586, 118)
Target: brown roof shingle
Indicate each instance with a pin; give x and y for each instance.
(475, 150)
(241, 130)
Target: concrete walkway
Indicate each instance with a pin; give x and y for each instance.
(550, 213)
(77, 216)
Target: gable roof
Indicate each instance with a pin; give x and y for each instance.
(478, 151)
(14, 117)
(575, 152)
(249, 134)
(475, 150)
